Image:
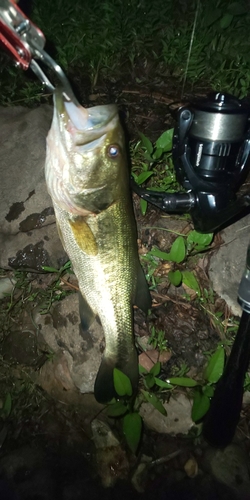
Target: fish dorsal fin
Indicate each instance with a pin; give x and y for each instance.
(142, 296)
(84, 236)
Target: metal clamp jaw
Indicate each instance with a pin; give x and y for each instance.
(25, 43)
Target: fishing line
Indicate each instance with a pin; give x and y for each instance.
(190, 47)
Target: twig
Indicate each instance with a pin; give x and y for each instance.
(167, 458)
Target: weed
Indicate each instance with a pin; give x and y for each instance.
(128, 408)
(6, 407)
(26, 294)
(157, 339)
(100, 38)
(153, 161)
(150, 264)
(201, 391)
(181, 250)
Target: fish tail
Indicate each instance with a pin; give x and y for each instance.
(104, 389)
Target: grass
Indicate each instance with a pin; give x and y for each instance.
(111, 39)
(30, 291)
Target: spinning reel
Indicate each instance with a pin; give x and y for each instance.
(211, 147)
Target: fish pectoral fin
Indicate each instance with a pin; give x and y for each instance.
(104, 389)
(142, 297)
(87, 316)
(83, 235)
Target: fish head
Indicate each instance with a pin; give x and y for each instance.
(86, 165)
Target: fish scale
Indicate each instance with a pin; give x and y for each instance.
(101, 241)
(108, 279)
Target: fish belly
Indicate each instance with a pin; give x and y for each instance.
(103, 252)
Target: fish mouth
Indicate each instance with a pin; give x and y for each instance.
(87, 126)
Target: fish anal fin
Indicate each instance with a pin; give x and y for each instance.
(87, 316)
(104, 389)
(83, 236)
(142, 297)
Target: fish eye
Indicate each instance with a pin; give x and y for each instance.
(113, 151)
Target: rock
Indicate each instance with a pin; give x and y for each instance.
(28, 235)
(230, 466)
(78, 353)
(55, 375)
(228, 263)
(149, 358)
(6, 286)
(246, 398)
(111, 459)
(177, 421)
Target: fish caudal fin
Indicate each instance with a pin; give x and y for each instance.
(142, 297)
(104, 389)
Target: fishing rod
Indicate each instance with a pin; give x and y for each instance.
(211, 147)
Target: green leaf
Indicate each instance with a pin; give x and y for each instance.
(177, 253)
(215, 366)
(226, 20)
(122, 383)
(146, 143)
(155, 370)
(183, 381)
(50, 269)
(165, 140)
(142, 370)
(175, 277)
(153, 400)
(237, 9)
(161, 255)
(6, 409)
(157, 154)
(117, 409)
(208, 390)
(178, 250)
(143, 205)
(132, 428)
(66, 266)
(200, 406)
(143, 177)
(189, 279)
(195, 238)
(162, 384)
(211, 17)
(149, 381)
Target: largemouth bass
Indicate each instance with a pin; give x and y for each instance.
(88, 180)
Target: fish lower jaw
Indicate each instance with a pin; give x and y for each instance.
(70, 208)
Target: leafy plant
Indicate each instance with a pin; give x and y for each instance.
(26, 293)
(150, 264)
(128, 407)
(6, 408)
(154, 161)
(99, 39)
(204, 389)
(54, 292)
(157, 339)
(181, 249)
